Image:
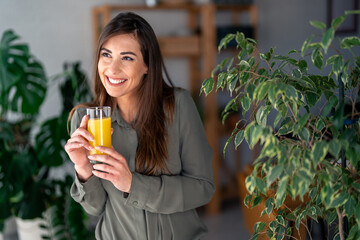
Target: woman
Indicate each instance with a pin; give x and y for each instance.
(159, 168)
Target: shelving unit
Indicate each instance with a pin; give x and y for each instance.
(200, 49)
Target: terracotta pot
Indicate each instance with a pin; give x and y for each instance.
(252, 215)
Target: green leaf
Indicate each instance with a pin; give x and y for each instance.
(244, 63)
(357, 214)
(232, 81)
(261, 115)
(228, 141)
(280, 219)
(317, 58)
(207, 86)
(339, 200)
(354, 232)
(349, 207)
(338, 65)
(259, 226)
(311, 98)
(273, 174)
(349, 42)
(318, 24)
(247, 200)
(245, 103)
(253, 134)
(337, 21)
(306, 175)
(221, 81)
(303, 66)
(50, 141)
(286, 126)
(327, 39)
(250, 90)
(269, 205)
(352, 155)
(313, 193)
(299, 219)
(239, 138)
(320, 124)
(305, 45)
(281, 192)
(319, 152)
(296, 73)
(335, 147)
(250, 184)
(261, 91)
(304, 134)
(260, 184)
(224, 41)
(257, 201)
(23, 74)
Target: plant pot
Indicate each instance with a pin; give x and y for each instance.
(29, 229)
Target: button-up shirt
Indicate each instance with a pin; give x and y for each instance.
(157, 207)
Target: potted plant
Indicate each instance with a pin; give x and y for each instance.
(307, 124)
(30, 150)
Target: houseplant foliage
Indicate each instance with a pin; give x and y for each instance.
(29, 150)
(306, 124)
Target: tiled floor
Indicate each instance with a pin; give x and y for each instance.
(228, 225)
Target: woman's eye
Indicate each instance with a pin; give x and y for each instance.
(127, 58)
(105, 54)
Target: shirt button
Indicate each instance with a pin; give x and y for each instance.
(135, 203)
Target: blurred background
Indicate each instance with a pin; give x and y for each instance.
(65, 31)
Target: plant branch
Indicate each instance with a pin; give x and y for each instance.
(341, 230)
(287, 104)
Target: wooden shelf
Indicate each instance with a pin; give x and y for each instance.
(180, 46)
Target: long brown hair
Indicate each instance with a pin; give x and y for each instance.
(156, 97)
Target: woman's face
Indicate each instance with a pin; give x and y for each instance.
(121, 66)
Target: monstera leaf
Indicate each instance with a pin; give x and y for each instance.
(23, 82)
(51, 140)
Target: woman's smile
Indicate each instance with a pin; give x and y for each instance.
(116, 81)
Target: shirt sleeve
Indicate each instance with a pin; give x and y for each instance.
(90, 194)
(194, 186)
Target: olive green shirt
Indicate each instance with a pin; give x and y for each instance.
(157, 207)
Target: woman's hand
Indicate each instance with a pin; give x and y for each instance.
(77, 147)
(115, 169)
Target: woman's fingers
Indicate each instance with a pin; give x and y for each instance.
(84, 133)
(84, 122)
(77, 142)
(109, 151)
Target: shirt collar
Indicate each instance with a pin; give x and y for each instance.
(116, 117)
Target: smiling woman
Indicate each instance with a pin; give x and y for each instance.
(121, 68)
(159, 168)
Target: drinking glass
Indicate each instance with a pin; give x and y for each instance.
(99, 125)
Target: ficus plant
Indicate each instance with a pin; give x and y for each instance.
(303, 110)
(30, 149)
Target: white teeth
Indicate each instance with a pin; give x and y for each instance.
(114, 81)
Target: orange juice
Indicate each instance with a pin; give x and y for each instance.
(101, 130)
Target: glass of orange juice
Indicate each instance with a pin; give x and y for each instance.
(99, 125)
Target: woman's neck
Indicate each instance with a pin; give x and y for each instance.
(128, 109)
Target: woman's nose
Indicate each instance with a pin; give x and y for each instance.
(115, 67)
